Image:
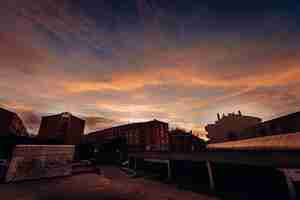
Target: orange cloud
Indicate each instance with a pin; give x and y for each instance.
(16, 106)
(185, 77)
(34, 69)
(128, 108)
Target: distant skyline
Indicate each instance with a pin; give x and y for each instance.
(118, 61)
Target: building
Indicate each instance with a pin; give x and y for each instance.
(142, 136)
(182, 141)
(12, 132)
(11, 124)
(229, 127)
(281, 125)
(63, 128)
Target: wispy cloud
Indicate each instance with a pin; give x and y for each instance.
(56, 57)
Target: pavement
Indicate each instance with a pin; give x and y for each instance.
(113, 184)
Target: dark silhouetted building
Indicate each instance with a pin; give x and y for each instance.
(229, 127)
(182, 141)
(63, 128)
(11, 124)
(12, 132)
(281, 125)
(142, 136)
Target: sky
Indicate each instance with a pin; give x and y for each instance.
(120, 61)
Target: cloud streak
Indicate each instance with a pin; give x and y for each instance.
(113, 66)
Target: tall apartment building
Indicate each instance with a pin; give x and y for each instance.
(63, 128)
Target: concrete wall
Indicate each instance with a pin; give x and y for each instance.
(40, 161)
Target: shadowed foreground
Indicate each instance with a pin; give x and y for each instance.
(112, 185)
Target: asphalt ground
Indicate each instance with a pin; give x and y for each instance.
(113, 184)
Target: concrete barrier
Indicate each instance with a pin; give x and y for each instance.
(30, 162)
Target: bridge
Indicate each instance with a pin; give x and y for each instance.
(280, 152)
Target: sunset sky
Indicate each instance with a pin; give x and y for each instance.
(118, 61)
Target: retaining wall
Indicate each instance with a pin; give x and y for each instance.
(30, 162)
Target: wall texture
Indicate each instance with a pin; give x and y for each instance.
(40, 161)
(63, 128)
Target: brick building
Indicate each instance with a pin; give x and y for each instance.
(11, 124)
(63, 128)
(286, 124)
(142, 136)
(229, 127)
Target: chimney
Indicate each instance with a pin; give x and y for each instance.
(218, 115)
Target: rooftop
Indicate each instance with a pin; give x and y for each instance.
(285, 142)
(125, 125)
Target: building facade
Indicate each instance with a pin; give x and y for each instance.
(142, 136)
(282, 125)
(12, 132)
(229, 127)
(184, 142)
(11, 124)
(63, 128)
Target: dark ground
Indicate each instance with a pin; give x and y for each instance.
(112, 185)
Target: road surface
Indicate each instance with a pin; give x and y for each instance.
(112, 185)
